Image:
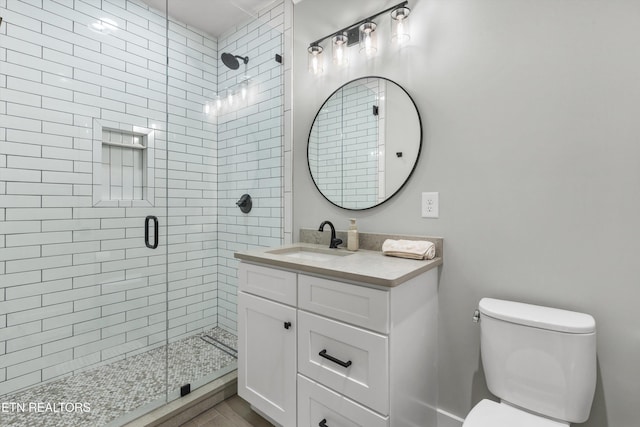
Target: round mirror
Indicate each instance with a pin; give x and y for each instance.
(364, 143)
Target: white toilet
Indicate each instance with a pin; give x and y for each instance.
(540, 362)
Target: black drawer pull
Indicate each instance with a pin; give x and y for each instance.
(287, 325)
(323, 423)
(324, 354)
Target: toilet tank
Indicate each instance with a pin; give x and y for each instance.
(539, 358)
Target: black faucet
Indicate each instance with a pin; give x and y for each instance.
(334, 242)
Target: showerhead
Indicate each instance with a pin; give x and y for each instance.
(231, 60)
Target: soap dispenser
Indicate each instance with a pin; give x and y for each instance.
(352, 235)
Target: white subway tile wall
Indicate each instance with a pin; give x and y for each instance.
(78, 287)
(250, 150)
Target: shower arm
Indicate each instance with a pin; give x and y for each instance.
(245, 59)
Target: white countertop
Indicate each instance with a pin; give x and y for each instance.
(370, 267)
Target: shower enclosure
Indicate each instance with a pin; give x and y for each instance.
(125, 143)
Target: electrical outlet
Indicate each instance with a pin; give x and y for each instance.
(430, 205)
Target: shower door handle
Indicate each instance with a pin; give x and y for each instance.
(155, 231)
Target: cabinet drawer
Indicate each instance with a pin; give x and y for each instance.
(317, 403)
(271, 283)
(354, 304)
(325, 345)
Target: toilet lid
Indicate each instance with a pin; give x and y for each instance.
(488, 413)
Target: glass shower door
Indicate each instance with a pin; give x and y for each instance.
(224, 140)
(199, 350)
(83, 241)
(125, 144)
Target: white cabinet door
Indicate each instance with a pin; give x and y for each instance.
(267, 357)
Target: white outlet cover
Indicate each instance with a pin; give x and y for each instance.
(430, 205)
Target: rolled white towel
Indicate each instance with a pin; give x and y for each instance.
(413, 249)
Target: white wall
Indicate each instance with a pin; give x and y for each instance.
(530, 115)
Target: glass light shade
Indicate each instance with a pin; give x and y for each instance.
(368, 38)
(400, 25)
(339, 46)
(315, 59)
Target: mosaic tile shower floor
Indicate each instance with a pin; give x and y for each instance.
(113, 390)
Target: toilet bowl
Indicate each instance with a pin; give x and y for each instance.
(540, 362)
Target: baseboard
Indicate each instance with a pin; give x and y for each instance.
(445, 419)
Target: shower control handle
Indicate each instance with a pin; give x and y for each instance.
(155, 231)
(323, 423)
(324, 354)
(287, 325)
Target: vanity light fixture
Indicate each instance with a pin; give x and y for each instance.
(362, 32)
(400, 25)
(339, 44)
(368, 38)
(315, 58)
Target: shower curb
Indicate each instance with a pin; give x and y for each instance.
(184, 409)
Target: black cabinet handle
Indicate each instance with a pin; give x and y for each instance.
(287, 325)
(324, 354)
(155, 231)
(323, 423)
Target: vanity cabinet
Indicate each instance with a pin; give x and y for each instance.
(267, 342)
(353, 354)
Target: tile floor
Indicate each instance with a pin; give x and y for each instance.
(233, 412)
(117, 388)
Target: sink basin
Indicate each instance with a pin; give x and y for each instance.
(310, 254)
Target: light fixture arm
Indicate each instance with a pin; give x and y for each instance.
(357, 24)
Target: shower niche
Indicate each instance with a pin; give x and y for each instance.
(123, 166)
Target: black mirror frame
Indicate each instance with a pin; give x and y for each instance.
(415, 164)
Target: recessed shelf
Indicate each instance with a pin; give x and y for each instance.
(123, 160)
(119, 144)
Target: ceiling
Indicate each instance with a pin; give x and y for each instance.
(211, 16)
